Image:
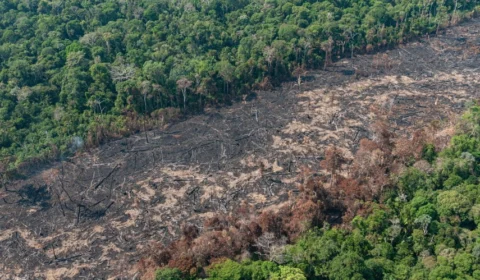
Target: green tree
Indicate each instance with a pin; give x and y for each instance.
(227, 270)
(452, 203)
(168, 274)
(348, 265)
(288, 273)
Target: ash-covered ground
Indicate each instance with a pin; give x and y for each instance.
(93, 216)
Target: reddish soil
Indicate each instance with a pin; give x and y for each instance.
(94, 215)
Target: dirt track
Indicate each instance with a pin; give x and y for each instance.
(94, 215)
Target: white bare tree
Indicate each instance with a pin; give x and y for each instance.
(271, 246)
(123, 72)
(146, 88)
(183, 84)
(90, 39)
(424, 221)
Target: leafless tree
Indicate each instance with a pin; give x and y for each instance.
(124, 72)
(333, 161)
(269, 54)
(298, 72)
(424, 221)
(270, 245)
(91, 38)
(327, 47)
(454, 15)
(146, 88)
(183, 84)
(106, 37)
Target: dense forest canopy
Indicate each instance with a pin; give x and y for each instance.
(75, 73)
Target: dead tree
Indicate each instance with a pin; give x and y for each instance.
(298, 72)
(146, 88)
(332, 163)
(183, 84)
(327, 47)
(122, 73)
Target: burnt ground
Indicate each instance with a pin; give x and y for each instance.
(94, 215)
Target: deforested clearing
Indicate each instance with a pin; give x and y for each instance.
(95, 215)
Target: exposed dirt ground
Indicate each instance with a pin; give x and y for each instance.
(94, 215)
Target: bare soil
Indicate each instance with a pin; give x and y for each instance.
(93, 216)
